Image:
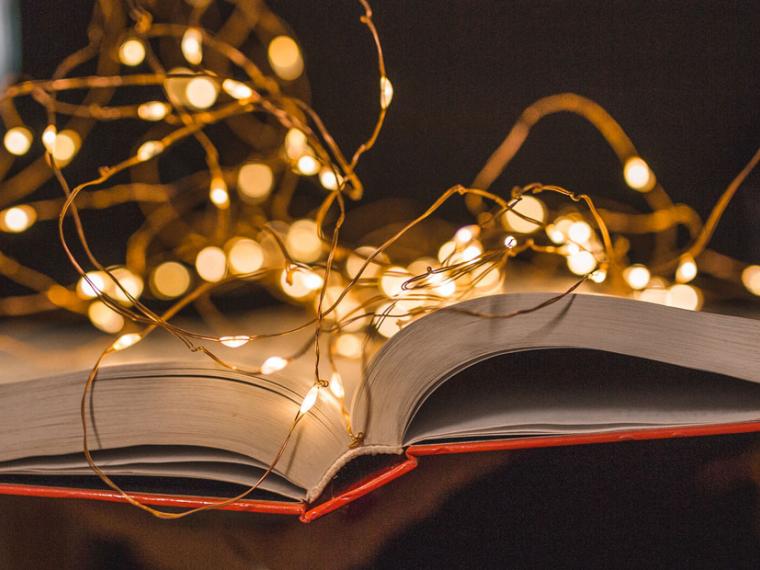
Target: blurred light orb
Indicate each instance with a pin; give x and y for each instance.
(684, 297)
(17, 219)
(170, 280)
(751, 279)
(105, 318)
(132, 52)
(201, 92)
(349, 345)
(18, 140)
(285, 58)
(255, 180)
(245, 256)
(529, 207)
(392, 280)
(687, 269)
(637, 276)
(211, 264)
(581, 263)
(638, 175)
(302, 241)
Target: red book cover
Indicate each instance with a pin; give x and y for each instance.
(310, 512)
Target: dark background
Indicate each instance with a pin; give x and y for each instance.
(683, 79)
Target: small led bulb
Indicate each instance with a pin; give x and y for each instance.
(687, 269)
(18, 140)
(638, 175)
(273, 364)
(218, 193)
(149, 149)
(125, 341)
(336, 385)
(234, 341)
(192, 46)
(386, 92)
(153, 110)
(309, 400)
(132, 52)
(637, 276)
(236, 89)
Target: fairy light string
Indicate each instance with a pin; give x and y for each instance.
(229, 224)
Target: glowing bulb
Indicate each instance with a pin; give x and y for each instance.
(349, 345)
(309, 400)
(446, 251)
(555, 234)
(657, 295)
(201, 92)
(751, 279)
(153, 110)
(170, 279)
(391, 317)
(255, 180)
(295, 143)
(66, 145)
(131, 282)
(510, 242)
(637, 276)
(687, 269)
(211, 264)
(392, 280)
(307, 165)
(236, 89)
(218, 194)
(328, 179)
(18, 140)
(581, 263)
(599, 276)
(132, 52)
(149, 149)
(348, 308)
(48, 137)
(466, 234)
(420, 266)
(446, 289)
(192, 46)
(17, 218)
(579, 232)
(234, 341)
(302, 241)
(336, 385)
(471, 252)
(529, 207)
(245, 256)
(299, 283)
(125, 341)
(105, 318)
(386, 92)
(92, 286)
(638, 175)
(684, 297)
(273, 364)
(359, 257)
(285, 57)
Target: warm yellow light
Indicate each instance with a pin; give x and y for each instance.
(131, 282)
(359, 257)
(218, 194)
(307, 165)
(529, 207)
(386, 92)
(153, 110)
(336, 385)
(201, 92)
(245, 256)
(328, 179)
(420, 266)
(486, 277)
(236, 89)
(234, 341)
(397, 316)
(471, 252)
(309, 400)
(510, 242)
(687, 269)
(599, 276)
(657, 295)
(18, 140)
(285, 57)
(125, 341)
(446, 289)
(446, 251)
(192, 46)
(751, 279)
(105, 318)
(348, 308)
(684, 297)
(581, 263)
(579, 232)
(48, 137)
(170, 279)
(149, 149)
(638, 174)
(393, 279)
(132, 52)
(94, 284)
(66, 145)
(211, 264)
(17, 218)
(273, 364)
(637, 276)
(466, 234)
(299, 283)
(302, 241)
(295, 143)
(255, 180)
(348, 345)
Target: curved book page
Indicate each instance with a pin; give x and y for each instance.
(428, 352)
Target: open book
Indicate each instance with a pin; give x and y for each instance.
(586, 368)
